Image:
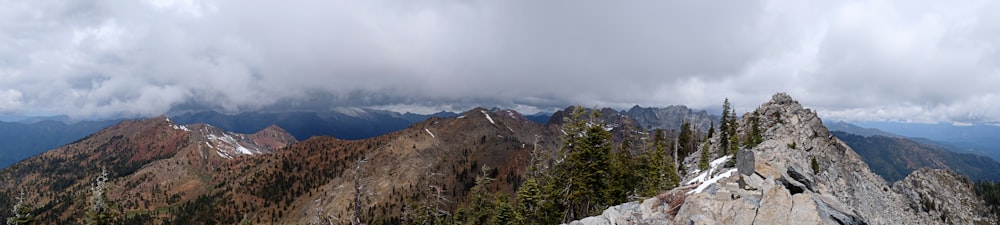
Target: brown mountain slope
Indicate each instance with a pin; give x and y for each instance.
(153, 164)
(163, 173)
(315, 178)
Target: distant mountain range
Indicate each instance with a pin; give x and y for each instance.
(352, 124)
(857, 130)
(20, 140)
(980, 139)
(201, 174)
(894, 156)
(170, 171)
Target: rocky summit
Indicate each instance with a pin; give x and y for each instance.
(800, 174)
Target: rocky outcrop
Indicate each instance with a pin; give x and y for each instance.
(670, 117)
(942, 195)
(784, 188)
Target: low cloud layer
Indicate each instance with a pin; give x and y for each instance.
(857, 60)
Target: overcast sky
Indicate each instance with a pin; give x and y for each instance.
(922, 61)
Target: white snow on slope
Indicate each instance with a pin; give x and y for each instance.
(181, 127)
(706, 177)
(712, 181)
(488, 117)
(715, 163)
(228, 147)
(429, 132)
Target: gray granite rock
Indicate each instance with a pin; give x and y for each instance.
(775, 189)
(744, 161)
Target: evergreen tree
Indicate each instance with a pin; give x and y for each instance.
(480, 208)
(503, 212)
(754, 135)
(625, 167)
(533, 206)
(590, 179)
(584, 173)
(686, 140)
(654, 166)
(724, 125)
(734, 144)
(536, 197)
(663, 163)
(705, 157)
(815, 165)
(22, 213)
(711, 130)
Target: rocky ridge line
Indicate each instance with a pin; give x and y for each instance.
(776, 184)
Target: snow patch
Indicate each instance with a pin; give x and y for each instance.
(511, 130)
(243, 150)
(228, 147)
(181, 127)
(460, 117)
(350, 111)
(510, 113)
(706, 177)
(429, 132)
(488, 117)
(715, 163)
(712, 181)
(222, 155)
(699, 178)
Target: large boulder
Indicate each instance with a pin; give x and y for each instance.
(745, 162)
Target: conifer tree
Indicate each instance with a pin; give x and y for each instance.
(711, 130)
(734, 144)
(588, 193)
(705, 156)
(724, 125)
(625, 167)
(480, 208)
(536, 202)
(661, 165)
(686, 140)
(754, 135)
(584, 176)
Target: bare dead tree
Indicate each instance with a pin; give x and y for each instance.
(359, 190)
(435, 200)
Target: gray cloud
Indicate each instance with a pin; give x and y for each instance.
(860, 60)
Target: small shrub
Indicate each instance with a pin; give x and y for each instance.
(815, 165)
(792, 145)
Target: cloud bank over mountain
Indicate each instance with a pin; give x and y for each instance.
(921, 61)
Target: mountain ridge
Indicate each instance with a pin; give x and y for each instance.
(801, 172)
(198, 174)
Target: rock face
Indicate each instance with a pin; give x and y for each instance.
(670, 117)
(745, 162)
(779, 186)
(942, 195)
